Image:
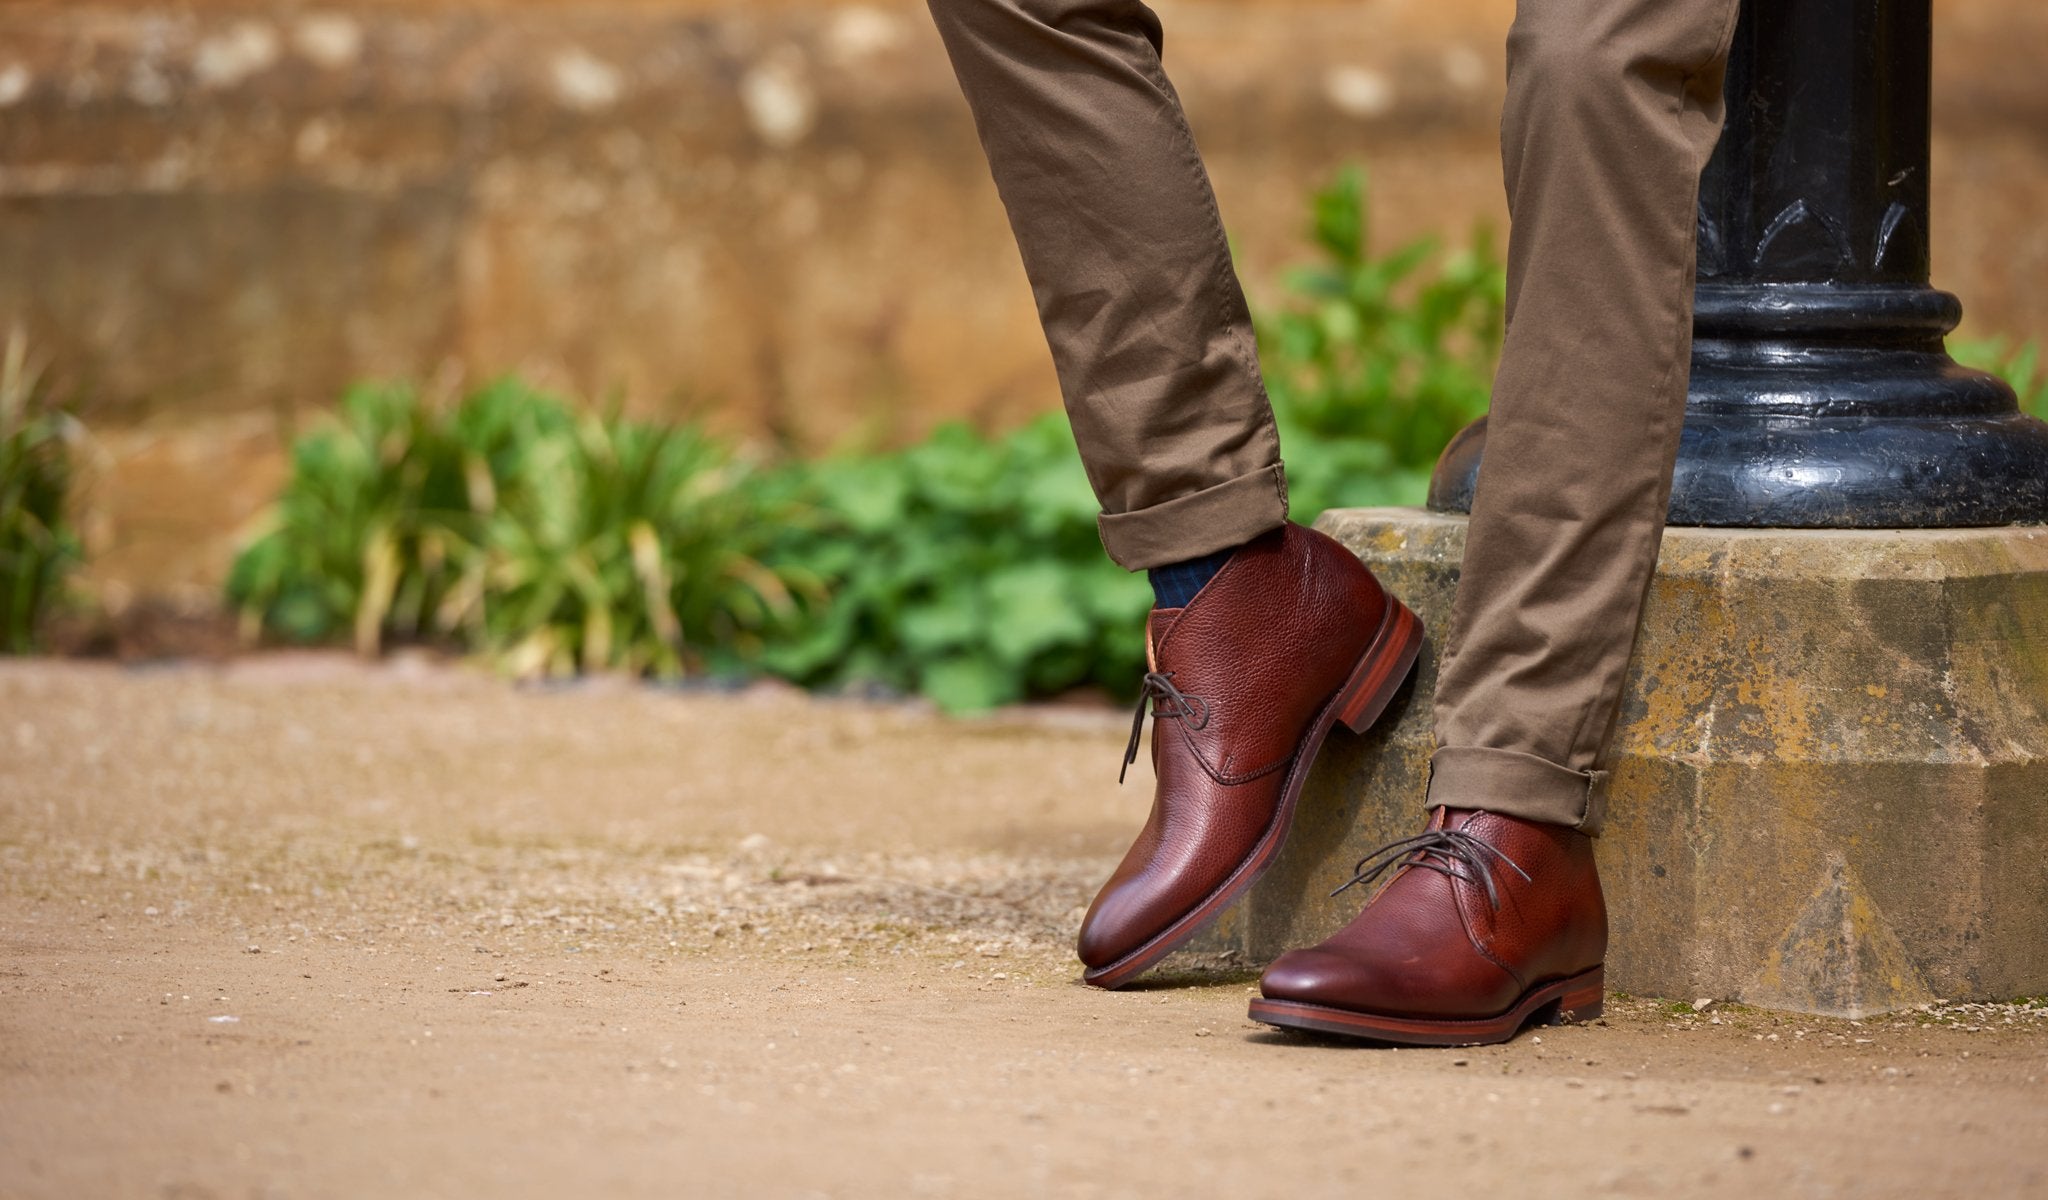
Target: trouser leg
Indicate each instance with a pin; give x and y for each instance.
(1126, 254)
(1613, 107)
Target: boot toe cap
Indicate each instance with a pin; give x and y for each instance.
(1122, 919)
(1393, 985)
(1313, 976)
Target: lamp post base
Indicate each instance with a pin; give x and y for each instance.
(1820, 406)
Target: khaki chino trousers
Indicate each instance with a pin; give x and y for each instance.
(1612, 109)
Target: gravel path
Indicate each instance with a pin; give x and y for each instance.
(302, 927)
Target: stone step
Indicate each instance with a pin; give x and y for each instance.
(1830, 771)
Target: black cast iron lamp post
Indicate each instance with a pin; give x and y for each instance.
(1822, 395)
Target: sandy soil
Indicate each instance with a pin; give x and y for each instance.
(299, 927)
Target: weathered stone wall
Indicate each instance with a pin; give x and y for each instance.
(214, 215)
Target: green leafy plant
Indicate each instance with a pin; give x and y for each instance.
(630, 545)
(1374, 361)
(510, 525)
(370, 536)
(2019, 364)
(966, 568)
(38, 547)
(969, 568)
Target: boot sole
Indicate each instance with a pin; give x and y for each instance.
(1380, 671)
(1574, 1000)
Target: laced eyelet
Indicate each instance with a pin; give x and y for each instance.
(1174, 704)
(1464, 856)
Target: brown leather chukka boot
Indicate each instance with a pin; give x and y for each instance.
(1488, 922)
(1290, 637)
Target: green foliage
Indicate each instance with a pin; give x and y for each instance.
(1374, 361)
(969, 569)
(965, 568)
(2019, 365)
(630, 545)
(37, 545)
(549, 541)
(372, 533)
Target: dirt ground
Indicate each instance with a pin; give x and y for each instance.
(295, 926)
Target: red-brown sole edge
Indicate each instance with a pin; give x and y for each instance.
(1381, 670)
(1573, 1000)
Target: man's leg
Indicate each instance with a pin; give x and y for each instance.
(1127, 258)
(1613, 108)
(1266, 634)
(1495, 913)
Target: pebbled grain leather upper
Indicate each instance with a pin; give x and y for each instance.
(1264, 645)
(1435, 946)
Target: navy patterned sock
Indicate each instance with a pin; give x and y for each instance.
(1175, 584)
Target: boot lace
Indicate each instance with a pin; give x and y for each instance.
(1174, 704)
(1451, 852)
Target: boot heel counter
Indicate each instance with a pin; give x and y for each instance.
(1583, 1000)
(1353, 585)
(1596, 900)
(1384, 665)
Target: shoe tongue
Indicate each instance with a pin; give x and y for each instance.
(1156, 625)
(1446, 817)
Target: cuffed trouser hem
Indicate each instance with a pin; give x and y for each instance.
(1518, 785)
(1216, 518)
